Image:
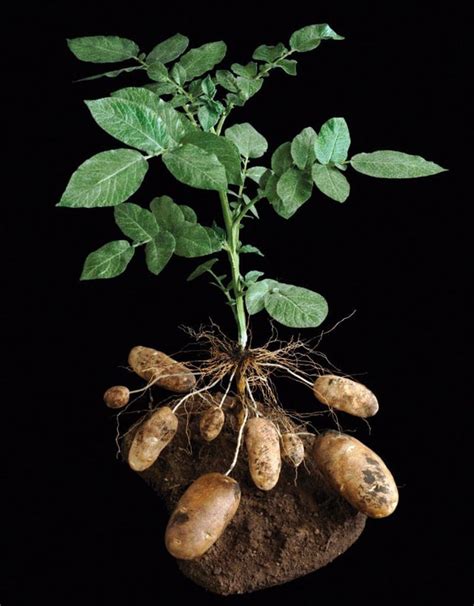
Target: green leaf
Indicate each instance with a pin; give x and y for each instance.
(249, 142)
(282, 159)
(219, 232)
(168, 50)
(194, 240)
(255, 295)
(227, 80)
(106, 179)
(138, 94)
(252, 276)
(302, 148)
(333, 141)
(269, 53)
(256, 173)
(196, 167)
(136, 222)
(178, 74)
(162, 88)
(226, 152)
(209, 114)
(132, 123)
(201, 269)
(331, 182)
(175, 123)
(112, 74)
(247, 71)
(294, 189)
(108, 261)
(270, 192)
(188, 213)
(168, 214)
(200, 60)
(309, 37)
(394, 165)
(248, 248)
(208, 87)
(288, 66)
(157, 71)
(103, 49)
(248, 87)
(294, 306)
(159, 251)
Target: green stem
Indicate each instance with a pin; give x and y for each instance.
(232, 230)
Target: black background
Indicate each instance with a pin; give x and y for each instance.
(83, 529)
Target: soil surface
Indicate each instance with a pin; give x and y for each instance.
(276, 536)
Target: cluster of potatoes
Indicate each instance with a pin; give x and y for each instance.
(208, 505)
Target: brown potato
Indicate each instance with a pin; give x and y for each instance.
(117, 396)
(153, 365)
(151, 437)
(201, 515)
(346, 395)
(211, 423)
(292, 449)
(263, 448)
(357, 473)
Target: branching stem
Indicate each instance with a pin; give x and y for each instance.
(232, 232)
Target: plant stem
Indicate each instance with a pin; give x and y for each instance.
(232, 230)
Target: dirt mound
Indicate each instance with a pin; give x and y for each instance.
(276, 536)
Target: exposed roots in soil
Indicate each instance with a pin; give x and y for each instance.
(248, 377)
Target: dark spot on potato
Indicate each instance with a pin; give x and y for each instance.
(369, 477)
(180, 518)
(372, 461)
(236, 489)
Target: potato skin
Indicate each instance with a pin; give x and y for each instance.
(263, 449)
(292, 449)
(151, 437)
(201, 515)
(357, 473)
(211, 423)
(153, 365)
(117, 396)
(346, 395)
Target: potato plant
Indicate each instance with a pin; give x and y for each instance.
(182, 115)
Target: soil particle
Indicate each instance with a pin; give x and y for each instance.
(276, 536)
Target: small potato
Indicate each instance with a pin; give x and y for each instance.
(201, 515)
(357, 473)
(153, 365)
(117, 396)
(346, 395)
(211, 423)
(292, 449)
(263, 448)
(151, 437)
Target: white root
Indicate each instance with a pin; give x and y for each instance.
(255, 407)
(228, 388)
(239, 443)
(297, 376)
(195, 393)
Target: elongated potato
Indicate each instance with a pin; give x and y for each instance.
(151, 437)
(201, 515)
(357, 473)
(153, 365)
(117, 396)
(211, 423)
(263, 449)
(346, 395)
(292, 449)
